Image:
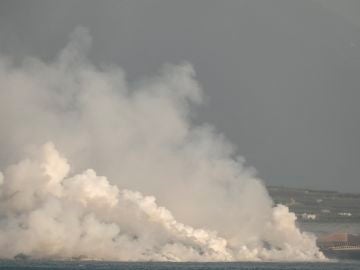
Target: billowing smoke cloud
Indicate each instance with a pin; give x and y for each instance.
(140, 135)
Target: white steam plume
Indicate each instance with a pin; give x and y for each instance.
(140, 135)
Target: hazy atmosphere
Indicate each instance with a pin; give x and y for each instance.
(280, 78)
(149, 130)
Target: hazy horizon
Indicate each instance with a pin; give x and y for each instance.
(150, 130)
(280, 78)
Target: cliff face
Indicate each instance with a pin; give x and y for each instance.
(340, 246)
(334, 238)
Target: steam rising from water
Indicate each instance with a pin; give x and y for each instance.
(140, 135)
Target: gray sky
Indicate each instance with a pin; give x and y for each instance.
(282, 77)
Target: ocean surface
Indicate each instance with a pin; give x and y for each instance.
(345, 265)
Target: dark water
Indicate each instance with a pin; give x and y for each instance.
(177, 266)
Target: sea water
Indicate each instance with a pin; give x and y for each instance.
(67, 265)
